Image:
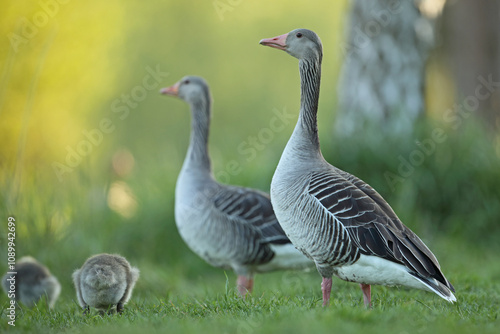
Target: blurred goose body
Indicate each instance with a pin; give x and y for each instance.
(105, 280)
(31, 282)
(227, 226)
(336, 219)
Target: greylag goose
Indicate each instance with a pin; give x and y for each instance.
(336, 219)
(228, 226)
(103, 281)
(31, 282)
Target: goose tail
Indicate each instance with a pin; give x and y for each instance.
(442, 290)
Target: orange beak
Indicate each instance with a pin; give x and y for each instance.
(278, 42)
(172, 90)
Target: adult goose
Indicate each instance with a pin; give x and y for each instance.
(227, 226)
(334, 218)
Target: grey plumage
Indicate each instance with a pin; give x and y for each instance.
(336, 219)
(228, 226)
(32, 282)
(103, 281)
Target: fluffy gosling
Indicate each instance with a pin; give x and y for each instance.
(103, 281)
(31, 283)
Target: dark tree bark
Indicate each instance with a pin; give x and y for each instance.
(471, 37)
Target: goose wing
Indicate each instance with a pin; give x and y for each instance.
(253, 209)
(371, 223)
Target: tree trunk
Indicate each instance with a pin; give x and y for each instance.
(382, 77)
(471, 35)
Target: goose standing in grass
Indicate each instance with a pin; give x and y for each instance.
(336, 219)
(31, 282)
(227, 226)
(103, 281)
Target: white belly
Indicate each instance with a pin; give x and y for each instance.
(378, 271)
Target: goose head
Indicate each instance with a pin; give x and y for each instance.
(191, 89)
(300, 43)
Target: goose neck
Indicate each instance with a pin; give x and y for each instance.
(197, 156)
(310, 77)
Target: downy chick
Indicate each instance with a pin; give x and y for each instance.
(103, 281)
(31, 282)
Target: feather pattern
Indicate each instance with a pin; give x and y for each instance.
(253, 208)
(372, 225)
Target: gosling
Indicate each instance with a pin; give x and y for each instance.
(103, 281)
(31, 282)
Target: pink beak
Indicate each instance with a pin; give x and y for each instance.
(278, 42)
(172, 90)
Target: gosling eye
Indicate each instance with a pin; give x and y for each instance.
(299, 35)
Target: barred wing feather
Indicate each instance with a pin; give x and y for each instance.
(372, 224)
(253, 209)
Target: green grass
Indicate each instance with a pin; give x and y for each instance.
(168, 300)
(456, 212)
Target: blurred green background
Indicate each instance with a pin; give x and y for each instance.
(80, 81)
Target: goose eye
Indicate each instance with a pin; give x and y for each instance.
(186, 81)
(299, 35)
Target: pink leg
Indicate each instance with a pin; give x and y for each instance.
(367, 296)
(326, 287)
(244, 285)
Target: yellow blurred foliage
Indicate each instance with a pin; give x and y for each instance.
(59, 63)
(64, 64)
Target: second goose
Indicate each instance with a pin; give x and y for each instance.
(227, 226)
